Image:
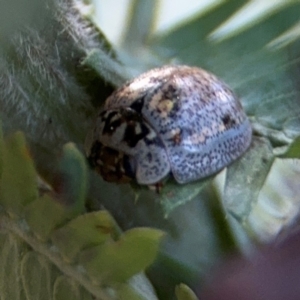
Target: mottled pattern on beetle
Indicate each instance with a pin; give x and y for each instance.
(143, 86)
(123, 129)
(190, 110)
(126, 131)
(152, 162)
(114, 166)
(213, 157)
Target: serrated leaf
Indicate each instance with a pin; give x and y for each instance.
(246, 176)
(73, 179)
(19, 179)
(117, 261)
(293, 150)
(85, 231)
(44, 215)
(183, 292)
(67, 289)
(36, 276)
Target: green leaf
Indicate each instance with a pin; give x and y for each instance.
(72, 185)
(85, 231)
(36, 276)
(174, 194)
(293, 150)
(66, 289)
(183, 292)
(68, 202)
(125, 292)
(19, 179)
(248, 15)
(171, 194)
(117, 261)
(246, 176)
(53, 95)
(139, 26)
(32, 269)
(136, 289)
(105, 66)
(10, 261)
(55, 212)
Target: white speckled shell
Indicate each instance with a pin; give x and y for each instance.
(198, 119)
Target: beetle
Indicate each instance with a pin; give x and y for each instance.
(174, 120)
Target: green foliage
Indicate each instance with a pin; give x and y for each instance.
(18, 176)
(72, 186)
(65, 288)
(261, 76)
(35, 212)
(10, 259)
(117, 261)
(108, 69)
(293, 150)
(51, 248)
(66, 204)
(85, 231)
(51, 86)
(243, 184)
(173, 195)
(36, 272)
(183, 292)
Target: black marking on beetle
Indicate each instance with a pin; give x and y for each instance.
(130, 136)
(110, 127)
(110, 163)
(138, 105)
(128, 168)
(104, 115)
(149, 157)
(154, 141)
(129, 115)
(170, 91)
(123, 167)
(94, 153)
(228, 121)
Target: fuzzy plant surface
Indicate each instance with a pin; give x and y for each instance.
(67, 234)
